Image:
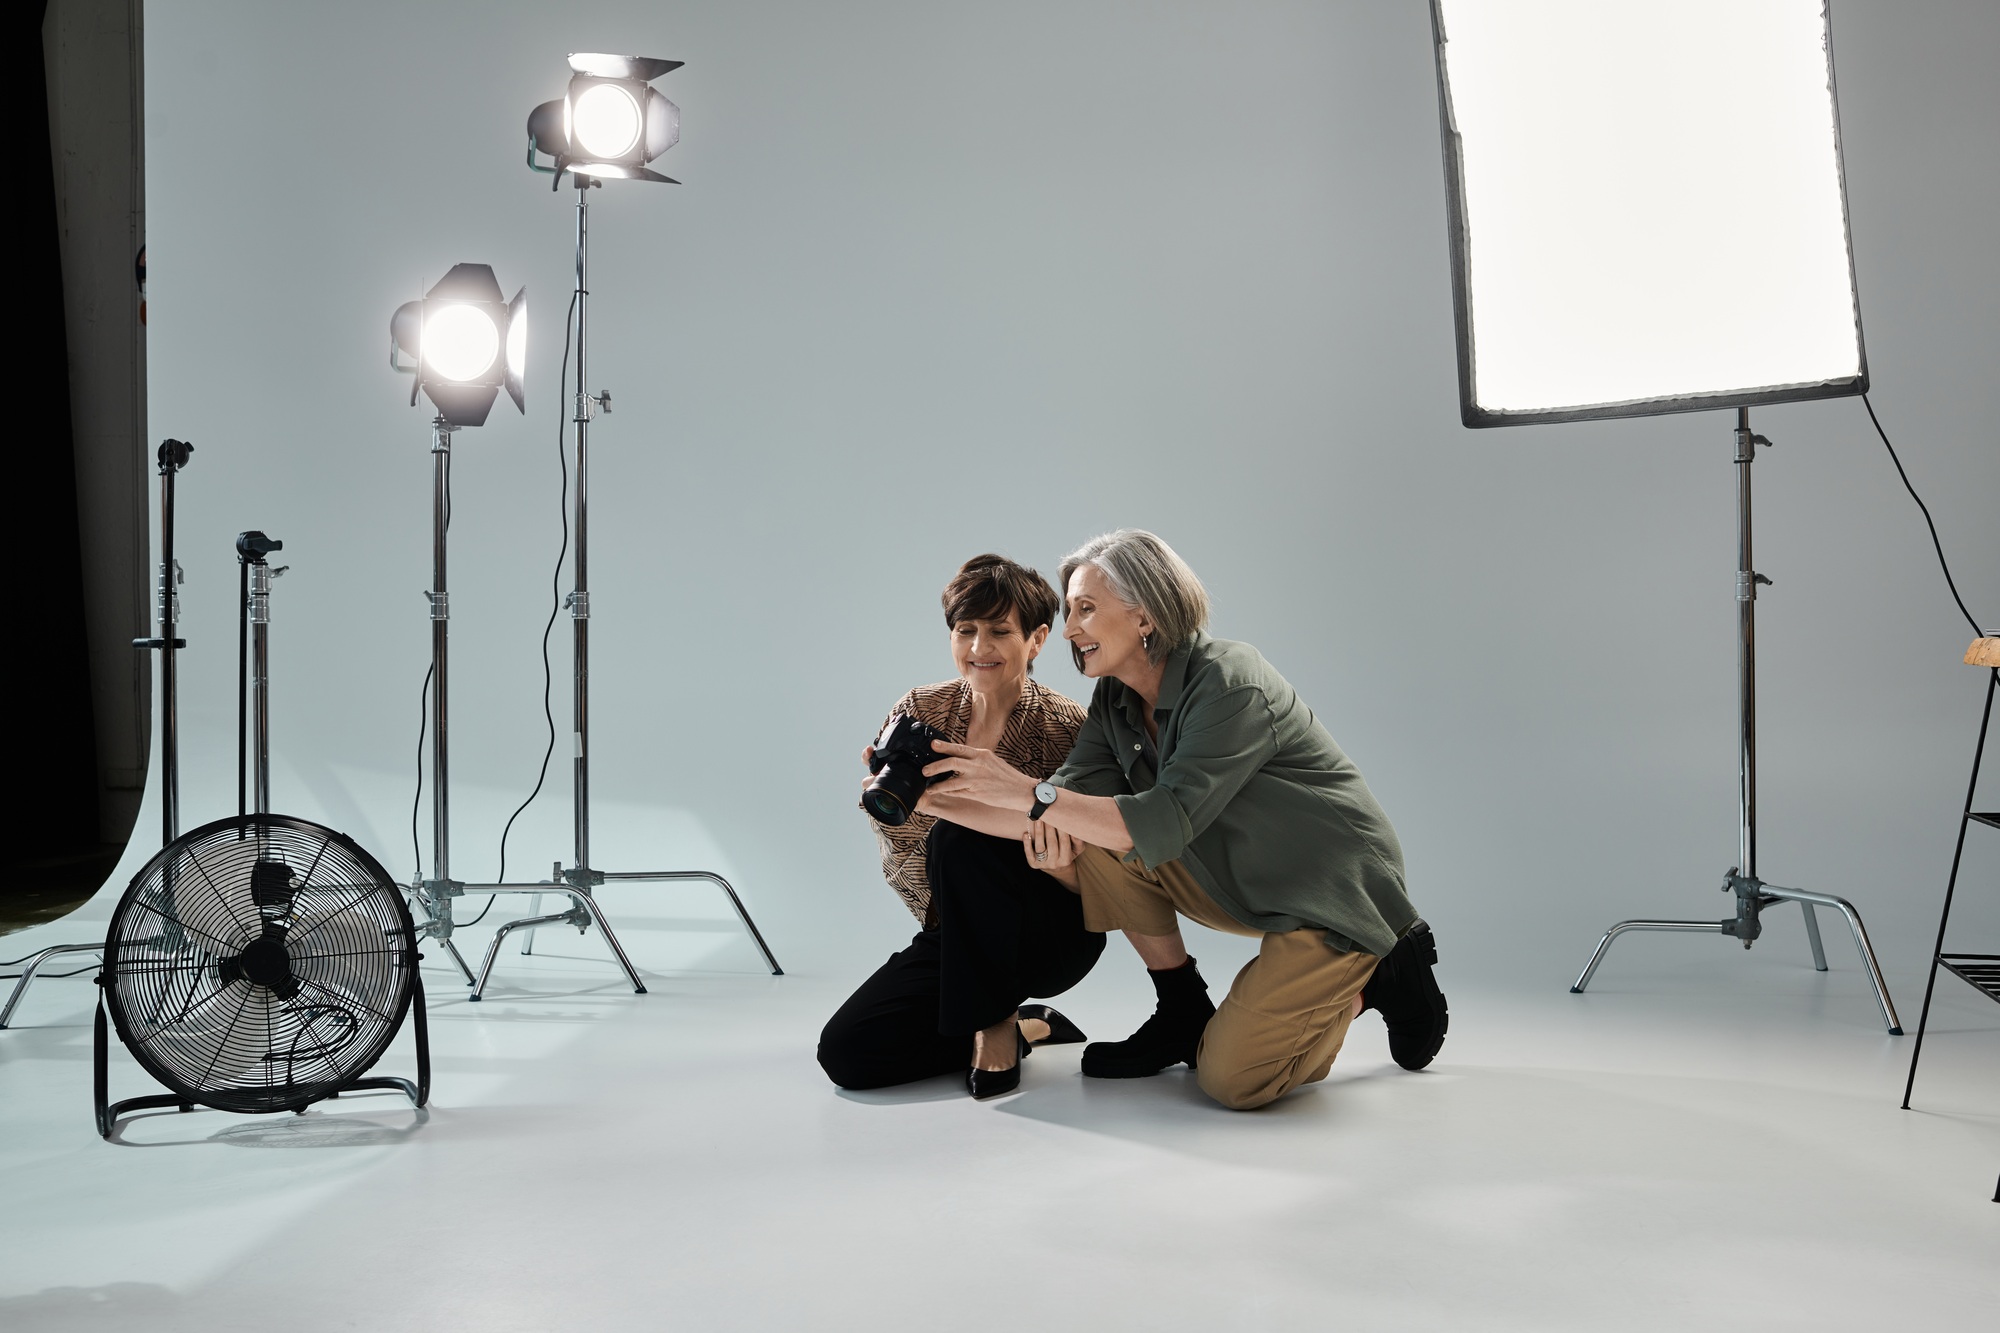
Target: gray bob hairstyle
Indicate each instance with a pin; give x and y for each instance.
(1144, 572)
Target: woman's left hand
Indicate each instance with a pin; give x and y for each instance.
(982, 776)
(1052, 851)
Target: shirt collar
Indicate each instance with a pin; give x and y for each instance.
(1173, 678)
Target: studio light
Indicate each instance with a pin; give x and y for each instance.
(1646, 207)
(465, 342)
(607, 125)
(610, 123)
(1647, 214)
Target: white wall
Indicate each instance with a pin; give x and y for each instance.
(949, 278)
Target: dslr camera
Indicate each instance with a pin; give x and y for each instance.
(901, 752)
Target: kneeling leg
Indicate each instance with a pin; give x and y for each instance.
(887, 1031)
(1284, 1020)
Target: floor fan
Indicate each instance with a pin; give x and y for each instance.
(261, 962)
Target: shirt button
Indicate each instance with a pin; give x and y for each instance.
(1136, 746)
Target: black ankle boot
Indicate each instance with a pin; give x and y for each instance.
(1169, 1037)
(1404, 990)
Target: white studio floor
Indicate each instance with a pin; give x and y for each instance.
(1707, 1141)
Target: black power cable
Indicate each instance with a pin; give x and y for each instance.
(1949, 582)
(417, 801)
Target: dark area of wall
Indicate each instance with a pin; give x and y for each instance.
(54, 855)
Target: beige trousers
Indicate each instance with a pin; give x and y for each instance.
(1286, 1014)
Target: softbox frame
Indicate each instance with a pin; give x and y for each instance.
(1646, 207)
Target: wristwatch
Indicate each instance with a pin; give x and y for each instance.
(1045, 796)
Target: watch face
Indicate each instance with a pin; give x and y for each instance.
(1045, 792)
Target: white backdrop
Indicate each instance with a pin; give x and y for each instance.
(951, 278)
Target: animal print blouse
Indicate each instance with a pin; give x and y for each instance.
(1036, 740)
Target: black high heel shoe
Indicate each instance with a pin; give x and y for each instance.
(984, 1083)
(1062, 1032)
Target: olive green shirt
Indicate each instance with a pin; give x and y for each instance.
(1249, 792)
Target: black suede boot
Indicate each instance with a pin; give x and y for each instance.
(1169, 1037)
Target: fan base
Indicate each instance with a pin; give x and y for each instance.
(109, 1113)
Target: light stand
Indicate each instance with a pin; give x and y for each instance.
(466, 343)
(253, 681)
(656, 129)
(1587, 274)
(582, 876)
(436, 893)
(172, 456)
(1753, 895)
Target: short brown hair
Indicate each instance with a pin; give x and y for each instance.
(989, 587)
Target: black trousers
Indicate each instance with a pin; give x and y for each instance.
(1006, 932)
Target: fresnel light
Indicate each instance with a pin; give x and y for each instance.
(610, 123)
(465, 342)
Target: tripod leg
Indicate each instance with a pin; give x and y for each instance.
(507, 928)
(528, 936)
(770, 959)
(1861, 946)
(34, 966)
(1597, 956)
(459, 958)
(742, 913)
(1812, 937)
(631, 973)
(1867, 952)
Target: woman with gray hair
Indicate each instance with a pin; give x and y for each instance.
(1202, 786)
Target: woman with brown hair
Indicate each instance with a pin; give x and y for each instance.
(997, 927)
(1202, 786)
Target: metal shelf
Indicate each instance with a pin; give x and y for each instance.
(1981, 971)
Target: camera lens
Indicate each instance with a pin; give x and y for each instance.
(884, 806)
(893, 794)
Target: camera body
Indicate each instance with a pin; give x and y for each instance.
(901, 752)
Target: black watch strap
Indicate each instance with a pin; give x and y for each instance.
(1035, 810)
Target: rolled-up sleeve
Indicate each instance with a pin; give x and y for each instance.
(1222, 743)
(1091, 767)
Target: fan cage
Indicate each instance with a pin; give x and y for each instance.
(259, 963)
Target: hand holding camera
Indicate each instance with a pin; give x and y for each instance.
(897, 761)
